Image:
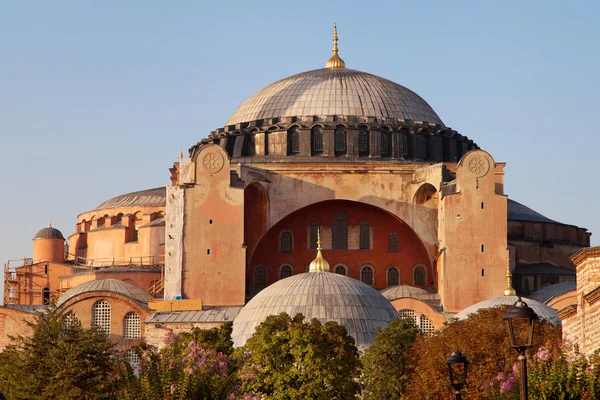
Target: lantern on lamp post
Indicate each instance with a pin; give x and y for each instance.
(520, 319)
(458, 367)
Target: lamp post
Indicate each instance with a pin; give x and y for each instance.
(521, 317)
(458, 366)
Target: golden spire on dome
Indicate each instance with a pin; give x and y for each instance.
(319, 264)
(335, 61)
(509, 291)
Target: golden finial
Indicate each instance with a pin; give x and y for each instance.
(509, 288)
(335, 61)
(319, 264)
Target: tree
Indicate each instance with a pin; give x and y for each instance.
(288, 358)
(58, 362)
(386, 363)
(483, 338)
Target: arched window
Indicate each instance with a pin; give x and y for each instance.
(392, 276)
(70, 321)
(386, 143)
(408, 314)
(340, 231)
(46, 294)
(285, 271)
(312, 235)
(537, 233)
(419, 276)
(366, 275)
(365, 236)
(293, 140)
(101, 316)
(363, 142)
(133, 358)
(260, 275)
(286, 242)
(340, 270)
(340, 141)
(316, 140)
(393, 242)
(425, 324)
(132, 327)
(404, 145)
(546, 284)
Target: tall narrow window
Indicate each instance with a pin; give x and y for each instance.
(135, 234)
(293, 140)
(425, 148)
(285, 271)
(366, 275)
(260, 275)
(46, 296)
(393, 242)
(363, 142)
(340, 141)
(286, 242)
(392, 276)
(340, 231)
(419, 276)
(340, 270)
(365, 236)
(404, 145)
(312, 240)
(386, 143)
(537, 233)
(132, 327)
(101, 316)
(316, 139)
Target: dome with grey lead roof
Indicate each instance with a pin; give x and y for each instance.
(543, 311)
(49, 233)
(322, 295)
(156, 197)
(338, 91)
(106, 285)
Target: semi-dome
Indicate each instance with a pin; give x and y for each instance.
(106, 285)
(335, 91)
(155, 197)
(49, 233)
(543, 311)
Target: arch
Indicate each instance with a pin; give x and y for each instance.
(365, 236)
(313, 230)
(101, 316)
(427, 196)
(340, 269)
(339, 140)
(285, 271)
(419, 275)
(393, 276)
(340, 231)
(393, 242)
(286, 242)
(367, 275)
(316, 140)
(132, 326)
(260, 275)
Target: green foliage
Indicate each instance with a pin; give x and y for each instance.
(56, 363)
(386, 363)
(291, 359)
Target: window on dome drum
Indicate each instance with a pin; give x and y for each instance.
(386, 143)
(340, 270)
(135, 234)
(340, 231)
(70, 321)
(419, 276)
(425, 148)
(312, 233)
(101, 316)
(404, 145)
(132, 327)
(316, 140)
(260, 275)
(46, 296)
(285, 271)
(393, 242)
(340, 141)
(392, 276)
(546, 284)
(366, 275)
(537, 233)
(363, 142)
(365, 236)
(286, 242)
(293, 141)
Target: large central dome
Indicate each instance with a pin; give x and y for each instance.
(335, 91)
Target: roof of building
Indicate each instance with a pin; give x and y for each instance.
(322, 295)
(106, 285)
(49, 233)
(208, 314)
(520, 212)
(543, 311)
(335, 91)
(547, 293)
(156, 197)
(542, 268)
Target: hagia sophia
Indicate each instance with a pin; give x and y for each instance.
(333, 192)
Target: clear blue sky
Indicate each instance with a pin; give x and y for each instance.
(97, 98)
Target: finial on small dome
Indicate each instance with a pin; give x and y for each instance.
(509, 288)
(335, 61)
(319, 264)
(49, 223)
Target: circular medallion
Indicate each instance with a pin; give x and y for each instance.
(212, 162)
(478, 166)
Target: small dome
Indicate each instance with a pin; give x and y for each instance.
(547, 293)
(322, 295)
(406, 291)
(543, 311)
(106, 285)
(49, 233)
(156, 197)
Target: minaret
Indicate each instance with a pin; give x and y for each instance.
(335, 61)
(319, 264)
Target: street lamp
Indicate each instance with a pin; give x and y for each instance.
(458, 366)
(521, 317)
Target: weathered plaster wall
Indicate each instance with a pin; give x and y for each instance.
(14, 323)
